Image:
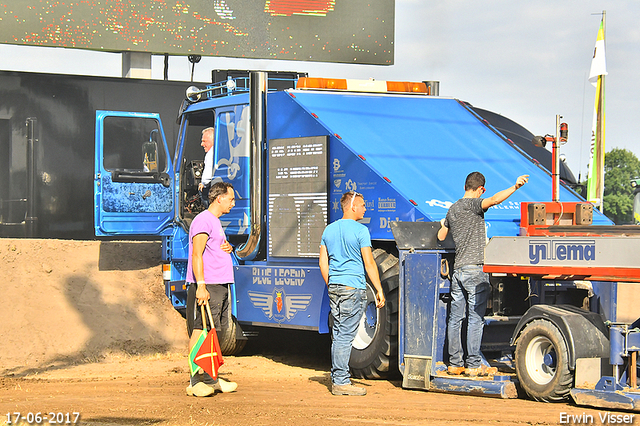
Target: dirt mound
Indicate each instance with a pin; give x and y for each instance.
(68, 302)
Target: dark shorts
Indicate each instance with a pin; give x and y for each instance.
(219, 303)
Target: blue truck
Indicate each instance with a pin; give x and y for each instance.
(290, 154)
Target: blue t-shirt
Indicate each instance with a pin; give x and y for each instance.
(343, 239)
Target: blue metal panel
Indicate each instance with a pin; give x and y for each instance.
(280, 295)
(607, 399)
(179, 245)
(286, 118)
(633, 341)
(605, 300)
(425, 147)
(132, 224)
(423, 319)
(348, 172)
(422, 323)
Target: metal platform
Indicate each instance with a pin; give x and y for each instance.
(618, 400)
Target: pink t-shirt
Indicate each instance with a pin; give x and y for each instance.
(218, 267)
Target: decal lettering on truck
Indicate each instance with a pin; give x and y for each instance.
(439, 203)
(384, 221)
(386, 204)
(351, 185)
(561, 250)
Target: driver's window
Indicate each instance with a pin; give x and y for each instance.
(196, 123)
(131, 144)
(192, 161)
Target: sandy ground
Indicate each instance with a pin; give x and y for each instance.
(86, 328)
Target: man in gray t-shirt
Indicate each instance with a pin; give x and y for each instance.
(469, 284)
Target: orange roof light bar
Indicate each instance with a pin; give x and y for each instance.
(322, 83)
(373, 86)
(406, 86)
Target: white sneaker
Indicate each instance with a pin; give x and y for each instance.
(200, 389)
(225, 387)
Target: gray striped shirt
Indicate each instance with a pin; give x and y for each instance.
(465, 220)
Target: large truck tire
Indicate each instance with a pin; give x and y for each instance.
(375, 348)
(542, 362)
(230, 344)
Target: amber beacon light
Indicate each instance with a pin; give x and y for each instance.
(352, 85)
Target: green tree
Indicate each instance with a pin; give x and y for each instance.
(620, 166)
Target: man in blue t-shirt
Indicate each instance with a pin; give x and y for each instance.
(345, 254)
(469, 283)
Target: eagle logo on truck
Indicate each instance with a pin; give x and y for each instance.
(279, 306)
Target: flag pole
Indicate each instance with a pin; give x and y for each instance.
(595, 181)
(602, 118)
(555, 169)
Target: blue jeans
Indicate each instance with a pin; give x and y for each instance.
(469, 291)
(347, 308)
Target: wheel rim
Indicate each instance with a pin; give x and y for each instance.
(541, 360)
(368, 323)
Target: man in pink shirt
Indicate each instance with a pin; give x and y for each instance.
(209, 273)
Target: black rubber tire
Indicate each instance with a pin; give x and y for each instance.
(377, 356)
(229, 343)
(541, 382)
(183, 312)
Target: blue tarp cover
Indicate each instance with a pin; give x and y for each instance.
(427, 146)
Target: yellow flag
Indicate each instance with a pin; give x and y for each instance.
(599, 62)
(595, 182)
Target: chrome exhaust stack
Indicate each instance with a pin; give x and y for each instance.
(257, 119)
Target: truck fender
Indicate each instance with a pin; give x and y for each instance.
(584, 332)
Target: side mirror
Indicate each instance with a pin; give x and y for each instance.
(539, 141)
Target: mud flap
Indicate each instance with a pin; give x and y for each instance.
(583, 331)
(417, 372)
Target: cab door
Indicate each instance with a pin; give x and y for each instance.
(133, 178)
